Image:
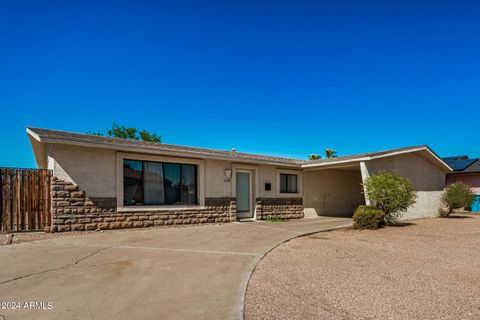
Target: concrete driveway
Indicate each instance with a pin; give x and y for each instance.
(177, 273)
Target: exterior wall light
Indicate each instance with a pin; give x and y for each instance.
(228, 175)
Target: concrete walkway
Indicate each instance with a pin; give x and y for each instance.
(196, 272)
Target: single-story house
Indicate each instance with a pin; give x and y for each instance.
(466, 170)
(108, 183)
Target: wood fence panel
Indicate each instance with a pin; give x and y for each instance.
(25, 199)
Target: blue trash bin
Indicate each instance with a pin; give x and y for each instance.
(476, 204)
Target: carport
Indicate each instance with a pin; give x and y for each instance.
(332, 190)
(333, 187)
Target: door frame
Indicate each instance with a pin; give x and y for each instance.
(251, 212)
(254, 186)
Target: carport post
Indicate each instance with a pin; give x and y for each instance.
(365, 176)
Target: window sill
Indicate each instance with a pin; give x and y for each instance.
(159, 208)
(289, 195)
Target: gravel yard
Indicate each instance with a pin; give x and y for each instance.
(428, 269)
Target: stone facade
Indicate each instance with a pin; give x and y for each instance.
(279, 208)
(72, 210)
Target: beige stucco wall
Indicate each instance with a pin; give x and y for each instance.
(268, 174)
(332, 192)
(424, 175)
(215, 184)
(91, 168)
(426, 205)
(94, 170)
(427, 178)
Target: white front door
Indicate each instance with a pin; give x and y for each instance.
(244, 194)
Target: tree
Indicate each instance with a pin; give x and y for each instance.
(130, 133)
(123, 132)
(314, 156)
(391, 193)
(152, 137)
(456, 196)
(330, 153)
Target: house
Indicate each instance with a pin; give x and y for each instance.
(109, 183)
(465, 170)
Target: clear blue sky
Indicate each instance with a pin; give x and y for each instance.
(276, 77)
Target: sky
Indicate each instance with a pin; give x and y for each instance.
(285, 78)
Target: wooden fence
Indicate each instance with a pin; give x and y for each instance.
(25, 199)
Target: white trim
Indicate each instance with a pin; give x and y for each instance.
(145, 157)
(299, 192)
(254, 179)
(205, 155)
(182, 153)
(329, 163)
(251, 212)
(34, 135)
(367, 158)
(159, 208)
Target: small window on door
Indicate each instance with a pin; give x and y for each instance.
(288, 183)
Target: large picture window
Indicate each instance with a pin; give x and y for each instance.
(159, 183)
(288, 183)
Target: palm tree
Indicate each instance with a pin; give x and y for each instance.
(330, 153)
(314, 156)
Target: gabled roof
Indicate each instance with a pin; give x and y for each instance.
(70, 138)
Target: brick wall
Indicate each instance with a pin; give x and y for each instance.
(72, 210)
(279, 208)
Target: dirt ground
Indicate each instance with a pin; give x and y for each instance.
(427, 269)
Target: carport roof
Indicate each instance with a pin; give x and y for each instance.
(44, 136)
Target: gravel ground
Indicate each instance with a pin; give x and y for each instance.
(429, 269)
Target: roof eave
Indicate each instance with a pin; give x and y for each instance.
(184, 154)
(394, 153)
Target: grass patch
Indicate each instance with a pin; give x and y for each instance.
(276, 220)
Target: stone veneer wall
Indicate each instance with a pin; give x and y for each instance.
(279, 208)
(72, 210)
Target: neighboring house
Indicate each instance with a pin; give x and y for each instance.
(108, 183)
(465, 170)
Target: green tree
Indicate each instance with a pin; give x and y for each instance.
(391, 193)
(130, 133)
(95, 133)
(150, 136)
(123, 132)
(330, 153)
(456, 196)
(314, 156)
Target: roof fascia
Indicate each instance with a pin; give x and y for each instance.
(184, 154)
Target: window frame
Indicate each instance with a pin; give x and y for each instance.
(299, 192)
(200, 178)
(180, 188)
(287, 184)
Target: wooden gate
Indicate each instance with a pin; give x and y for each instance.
(25, 199)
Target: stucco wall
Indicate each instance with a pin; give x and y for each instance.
(215, 185)
(424, 175)
(91, 168)
(426, 205)
(332, 192)
(427, 178)
(94, 170)
(268, 174)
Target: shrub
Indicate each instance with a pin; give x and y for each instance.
(456, 196)
(367, 217)
(391, 193)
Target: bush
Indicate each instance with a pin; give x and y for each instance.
(391, 193)
(367, 217)
(456, 196)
